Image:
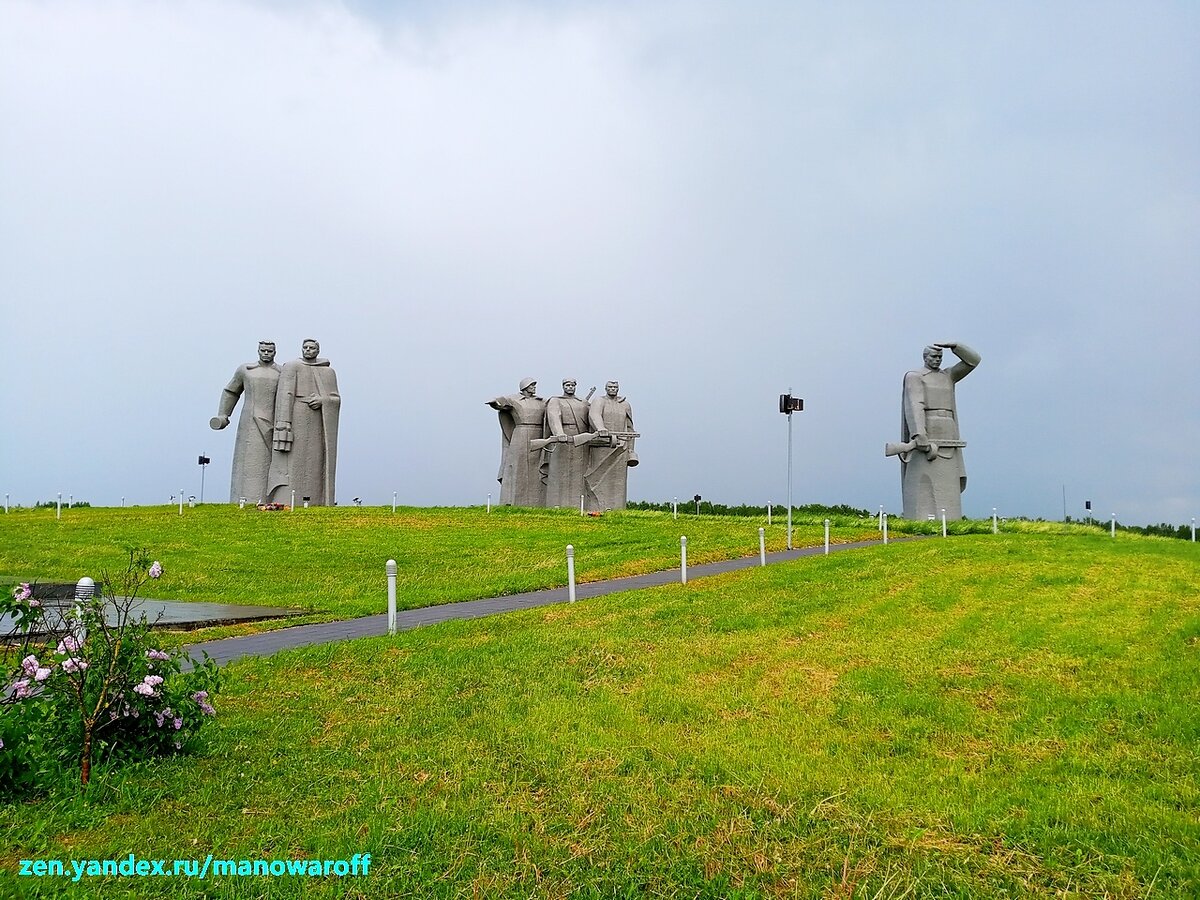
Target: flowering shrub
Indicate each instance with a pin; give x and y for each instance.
(81, 686)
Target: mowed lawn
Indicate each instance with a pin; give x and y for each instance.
(331, 560)
(984, 716)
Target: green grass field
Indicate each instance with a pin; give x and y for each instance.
(986, 716)
(331, 560)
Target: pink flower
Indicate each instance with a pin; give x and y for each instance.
(41, 674)
(73, 665)
(67, 645)
(153, 680)
(157, 654)
(178, 724)
(30, 665)
(155, 570)
(201, 698)
(23, 591)
(21, 689)
(34, 603)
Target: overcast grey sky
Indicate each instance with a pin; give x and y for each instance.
(710, 202)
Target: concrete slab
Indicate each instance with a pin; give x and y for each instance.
(175, 614)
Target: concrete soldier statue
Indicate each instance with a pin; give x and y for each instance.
(932, 473)
(522, 419)
(565, 460)
(304, 446)
(252, 443)
(611, 451)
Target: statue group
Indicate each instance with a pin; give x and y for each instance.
(932, 473)
(560, 452)
(565, 451)
(286, 437)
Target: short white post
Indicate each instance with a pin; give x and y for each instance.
(581, 504)
(489, 508)
(826, 537)
(393, 501)
(768, 513)
(391, 577)
(306, 503)
(181, 500)
(995, 527)
(1113, 532)
(122, 503)
(885, 528)
(762, 546)
(1193, 529)
(6, 503)
(241, 502)
(292, 508)
(675, 508)
(58, 507)
(943, 523)
(683, 559)
(881, 517)
(70, 500)
(570, 573)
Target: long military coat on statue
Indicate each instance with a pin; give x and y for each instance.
(564, 463)
(309, 468)
(255, 383)
(522, 420)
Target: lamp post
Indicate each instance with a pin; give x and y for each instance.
(203, 461)
(788, 405)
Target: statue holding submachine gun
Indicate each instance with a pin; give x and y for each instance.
(932, 473)
(583, 453)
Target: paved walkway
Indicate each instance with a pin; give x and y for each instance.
(222, 651)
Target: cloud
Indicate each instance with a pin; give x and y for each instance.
(710, 202)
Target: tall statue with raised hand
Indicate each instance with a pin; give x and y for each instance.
(611, 453)
(566, 452)
(304, 446)
(522, 420)
(932, 472)
(256, 382)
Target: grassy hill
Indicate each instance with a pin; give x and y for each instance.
(1009, 715)
(331, 560)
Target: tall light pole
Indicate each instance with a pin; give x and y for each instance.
(788, 405)
(203, 461)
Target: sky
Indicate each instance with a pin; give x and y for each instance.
(711, 202)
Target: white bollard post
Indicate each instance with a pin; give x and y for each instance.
(489, 508)
(881, 518)
(570, 573)
(390, 568)
(995, 528)
(306, 503)
(292, 508)
(58, 507)
(70, 500)
(683, 559)
(122, 503)
(1113, 532)
(675, 508)
(943, 523)
(241, 502)
(6, 504)
(885, 528)
(826, 537)
(1193, 529)
(762, 546)
(393, 501)
(768, 513)
(181, 501)
(581, 504)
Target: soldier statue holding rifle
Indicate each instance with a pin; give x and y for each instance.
(932, 473)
